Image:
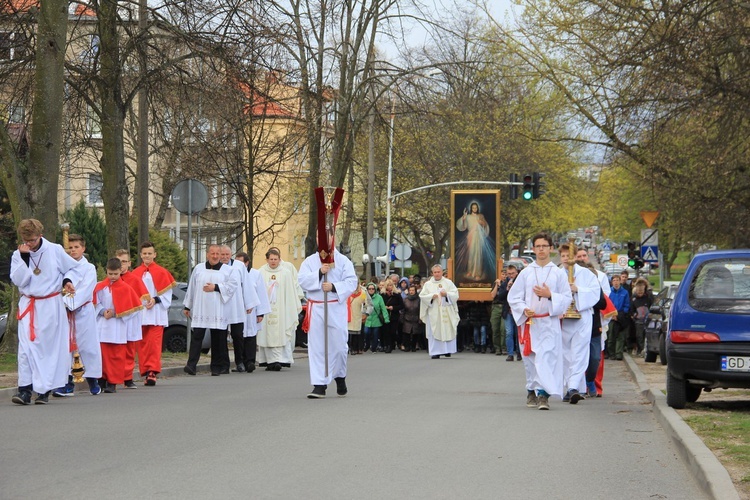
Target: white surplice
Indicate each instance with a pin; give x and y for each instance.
(207, 308)
(254, 283)
(543, 366)
(115, 330)
(159, 313)
(576, 333)
(84, 318)
(345, 281)
(44, 362)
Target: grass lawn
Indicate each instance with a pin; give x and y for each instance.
(726, 431)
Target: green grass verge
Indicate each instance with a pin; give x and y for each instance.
(727, 434)
(8, 363)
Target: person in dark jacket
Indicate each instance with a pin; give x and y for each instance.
(639, 307)
(479, 319)
(411, 326)
(393, 303)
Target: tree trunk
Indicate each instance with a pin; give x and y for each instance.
(112, 162)
(47, 116)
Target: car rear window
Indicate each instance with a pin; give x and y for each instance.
(722, 286)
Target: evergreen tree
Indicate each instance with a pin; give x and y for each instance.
(88, 223)
(168, 253)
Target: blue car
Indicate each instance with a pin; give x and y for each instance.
(708, 345)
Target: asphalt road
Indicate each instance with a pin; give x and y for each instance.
(411, 427)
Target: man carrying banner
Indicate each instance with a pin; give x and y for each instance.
(329, 279)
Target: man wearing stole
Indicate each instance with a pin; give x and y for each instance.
(439, 312)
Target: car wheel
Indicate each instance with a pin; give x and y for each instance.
(650, 357)
(175, 339)
(676, 392)
(663, 348)
(692, 393)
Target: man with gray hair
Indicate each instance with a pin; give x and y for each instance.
(439, 312)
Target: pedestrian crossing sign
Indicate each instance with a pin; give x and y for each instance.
(650, 253)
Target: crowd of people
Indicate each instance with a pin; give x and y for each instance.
(110, 324)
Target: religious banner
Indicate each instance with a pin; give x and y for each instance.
(475, 236)
(328, 200)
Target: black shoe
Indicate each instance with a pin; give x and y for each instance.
(341, 386)
(215, 374)
(129, 384)
(262, 364)
(436, 356)
(448, 355)
(189, 370)
(285, 365)
(510, 358)
(42, 399)
(250, 369)
(22, 398)
(318, 392)
(575, 396)
(484, 349)
(110, 388)
(240, 368)
(518, 356)
(225, 371)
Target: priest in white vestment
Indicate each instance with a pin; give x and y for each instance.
(278, 327)
(327, 285)
(38, 268)
(438, 310)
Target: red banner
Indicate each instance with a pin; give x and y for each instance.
(329, 204)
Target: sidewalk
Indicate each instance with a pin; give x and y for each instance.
(699, 459)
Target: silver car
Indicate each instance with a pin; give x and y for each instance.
(175, 334)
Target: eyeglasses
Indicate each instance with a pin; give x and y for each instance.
(541, 247)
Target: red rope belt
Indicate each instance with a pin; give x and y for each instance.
(30, 309)
(524, 334)
(308, 313)
(72, 327)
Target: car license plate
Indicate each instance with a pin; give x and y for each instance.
(735, 363)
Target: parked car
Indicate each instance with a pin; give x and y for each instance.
(708, 345)
(610, 269)
(519, 263)
(657, 324)
(3, 324)
(175, 334)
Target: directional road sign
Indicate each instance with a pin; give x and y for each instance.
(650, 253)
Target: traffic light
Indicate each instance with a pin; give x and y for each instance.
(631, 254)
(528, 187)
(513, 191)
(538, 189)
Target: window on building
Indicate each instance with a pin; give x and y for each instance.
(93, 124)
(16, 114)
(12, 46)
(95, 190)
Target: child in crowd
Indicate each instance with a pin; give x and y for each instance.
(134, 340)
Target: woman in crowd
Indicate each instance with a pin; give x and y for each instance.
(393, 303)
(410, 325)
(377, 318)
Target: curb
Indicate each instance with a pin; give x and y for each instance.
(710, 475)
